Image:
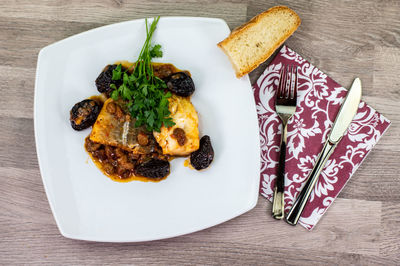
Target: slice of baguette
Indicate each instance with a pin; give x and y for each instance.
(254, 42)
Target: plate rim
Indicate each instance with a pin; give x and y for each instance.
(82, 236)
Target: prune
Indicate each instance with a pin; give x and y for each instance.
(203, 157)
(180, 83)
(104, 80)
(84, 114)
(153, 168)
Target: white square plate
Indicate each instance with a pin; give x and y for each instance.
(88, 205)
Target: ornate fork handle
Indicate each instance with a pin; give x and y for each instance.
(286, 99)
(278, 203)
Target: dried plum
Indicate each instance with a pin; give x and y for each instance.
(203, 157)
(153, 168)
(180, 83)
(104, 80)
(84, 114)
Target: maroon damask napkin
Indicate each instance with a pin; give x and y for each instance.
(318, 102)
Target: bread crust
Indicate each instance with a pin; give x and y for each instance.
(249, 24)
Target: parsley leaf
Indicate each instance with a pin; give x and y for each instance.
(144, 93)
(117, 72)
(115, 95)
(156, 51)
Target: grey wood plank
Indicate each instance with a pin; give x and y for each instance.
(107, 12)
(390, 108)
(254, 229)
(387, 73)
(377, 178)
(390, 244)
(174, 252)
(22, 38)
(328, 235)
(17, 143)
(23, 198)
(17, 90)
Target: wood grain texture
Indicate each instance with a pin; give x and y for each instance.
(343, 38)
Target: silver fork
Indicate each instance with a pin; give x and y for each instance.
(285, 106)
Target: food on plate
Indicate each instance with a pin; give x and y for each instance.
(143, 118)
(203, 157)
(115, 127)
(104, 80)
(182, 138)
(153, 168)
(84, 114)
(180, 83)
(254, 42)
(120, 164)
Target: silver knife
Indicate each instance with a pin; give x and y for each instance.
(343, 119)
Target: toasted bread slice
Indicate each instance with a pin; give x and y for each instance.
(254, 42)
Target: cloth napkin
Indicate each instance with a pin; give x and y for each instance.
(318, 102)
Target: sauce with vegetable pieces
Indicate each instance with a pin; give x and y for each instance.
(116, 163)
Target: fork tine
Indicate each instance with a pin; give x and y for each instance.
(283, 92)
(296, 84)
(281, 82)
(288, 82)
(284, 84)
(289, 85)
(292, 82)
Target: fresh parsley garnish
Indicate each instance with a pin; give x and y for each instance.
(144, 92)
(116, 75)
(156, 51)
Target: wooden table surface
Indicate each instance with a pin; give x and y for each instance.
(343, 38)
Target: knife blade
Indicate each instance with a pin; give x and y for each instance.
(343, 119)
(347, 112)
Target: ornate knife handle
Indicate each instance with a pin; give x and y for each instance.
(298, 206)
